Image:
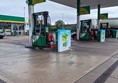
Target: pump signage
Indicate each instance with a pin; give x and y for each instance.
(33, 2)
(84, 10)
(104, 16)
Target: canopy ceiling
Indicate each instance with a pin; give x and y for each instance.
(92, 3)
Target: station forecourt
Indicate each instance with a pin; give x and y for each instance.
(24, 65)
(12, 23)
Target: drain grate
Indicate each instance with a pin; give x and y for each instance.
(107, 73)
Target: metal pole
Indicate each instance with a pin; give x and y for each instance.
(78, 19)
(98, 22)
(25, 21)
(12, 28)
(63, 20)
(30, 12)
(24, 12)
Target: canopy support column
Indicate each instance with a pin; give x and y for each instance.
(30, 12)
(98, 22)
(78, 19)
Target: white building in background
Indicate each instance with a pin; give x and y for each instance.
(13, 25)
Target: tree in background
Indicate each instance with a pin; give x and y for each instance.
(59, 24)
(51, 28)
(49, 25)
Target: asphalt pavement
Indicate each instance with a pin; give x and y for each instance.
(86, 62)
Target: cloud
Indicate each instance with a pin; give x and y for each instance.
(57, 11)
(12, 7)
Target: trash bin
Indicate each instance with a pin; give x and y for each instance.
(113, 33)
(63, 40)
(15, 32)
(98, 35)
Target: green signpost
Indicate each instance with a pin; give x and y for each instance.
(104, 16)
(81, 11)
(84, 10)
(33, 2)
(78, 7)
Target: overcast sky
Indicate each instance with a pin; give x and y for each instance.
(57, 11)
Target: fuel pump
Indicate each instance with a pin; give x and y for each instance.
(41, 37)
(91, 31)
(85, 30)
(88, 30)
(105, 26)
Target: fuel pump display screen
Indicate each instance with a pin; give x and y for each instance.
(39, 20)
(85, 26)
(104, 25)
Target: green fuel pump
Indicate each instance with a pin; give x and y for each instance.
(41, 37)
(85, 30)
(105, 26)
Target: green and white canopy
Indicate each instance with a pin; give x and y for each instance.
(92, 3)
(12, 19)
